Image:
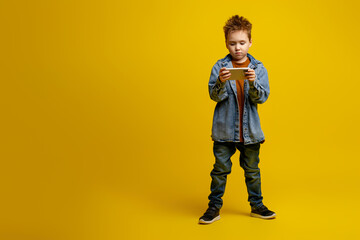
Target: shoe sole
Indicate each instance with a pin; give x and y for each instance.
(263, 217)
(201, 221)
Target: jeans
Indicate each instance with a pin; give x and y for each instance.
(249, 160)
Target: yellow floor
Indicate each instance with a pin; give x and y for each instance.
(111, 216)
(107, 213)
(95, 201)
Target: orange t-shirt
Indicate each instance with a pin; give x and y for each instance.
(240, 95)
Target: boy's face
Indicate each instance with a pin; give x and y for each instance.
(238, 44)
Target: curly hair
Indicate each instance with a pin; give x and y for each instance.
(237, 23)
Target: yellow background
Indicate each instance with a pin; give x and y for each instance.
(106, 119)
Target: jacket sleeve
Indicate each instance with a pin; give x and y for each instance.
(217, 89)
(259, 89)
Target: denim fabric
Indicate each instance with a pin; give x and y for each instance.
(225, 126)
(249, 160)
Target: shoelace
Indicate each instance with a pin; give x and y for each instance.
(263, 207)
(210, 211)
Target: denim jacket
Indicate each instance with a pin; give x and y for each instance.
(225, 126)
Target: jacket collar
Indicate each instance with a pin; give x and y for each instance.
(227, 61)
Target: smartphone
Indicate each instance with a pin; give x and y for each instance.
(237, 73)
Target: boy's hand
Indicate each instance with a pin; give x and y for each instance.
(250, 74)
(224, 74)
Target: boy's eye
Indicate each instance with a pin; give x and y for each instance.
(232, 44)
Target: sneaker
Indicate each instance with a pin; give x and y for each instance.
(262, 212)
(211, 215)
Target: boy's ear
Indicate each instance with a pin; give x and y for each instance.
(250, 42)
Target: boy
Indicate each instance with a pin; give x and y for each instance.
(236, 123)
